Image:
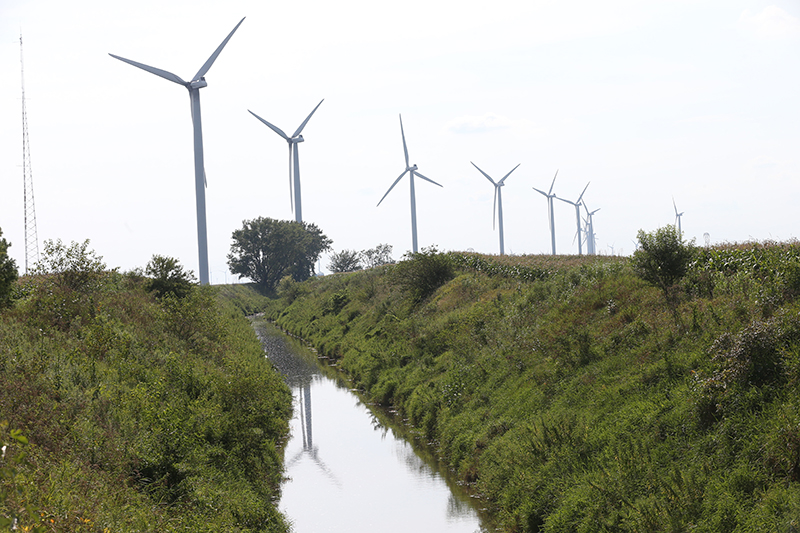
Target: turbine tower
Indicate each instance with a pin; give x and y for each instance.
(549, 195)
(293, 155)
(31, 236)
(497, 202)
(412, 171)
(677, 216)
(577, 205)
(197, 82)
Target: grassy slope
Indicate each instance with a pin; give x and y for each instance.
(142, 415)
(574, 398)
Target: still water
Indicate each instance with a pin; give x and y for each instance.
(347, 470)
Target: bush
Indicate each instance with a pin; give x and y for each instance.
(8, 272)
(168, 277)
(345, 261)
(663, 257)
(421, 273)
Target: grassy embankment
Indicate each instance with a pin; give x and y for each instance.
(140, 413)
(574, 396)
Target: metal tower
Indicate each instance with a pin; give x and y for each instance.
(31, 238)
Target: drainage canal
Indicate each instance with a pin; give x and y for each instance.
(347, 469)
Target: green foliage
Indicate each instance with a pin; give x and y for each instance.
(8, 272)
(566, 393)
(421, 273)
(167, 277)
(143, 413)
(663, 257)
(345, 261)
(265, 250)
(74, 267)
(378, 256)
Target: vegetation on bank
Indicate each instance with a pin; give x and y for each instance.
(576, 394)
(135, 403)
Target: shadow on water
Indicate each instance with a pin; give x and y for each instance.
(373, 474)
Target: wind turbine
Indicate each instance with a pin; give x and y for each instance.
(412, 172)
(549, 195)
(293, 141)
(591, 248)
(497, 202)
(197, 82)
(677, 216)
(577, 205)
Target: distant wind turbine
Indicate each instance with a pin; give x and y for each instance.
(197, 82)
(677, 216)
(549, 195)
(498, 201)
(591, 242)
(293, 155)
(412, 172)
(577, 205)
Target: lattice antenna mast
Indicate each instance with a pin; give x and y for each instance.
(31, 237)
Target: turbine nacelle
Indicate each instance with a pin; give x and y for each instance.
(197, 84)
(297, 139)
(415, 167)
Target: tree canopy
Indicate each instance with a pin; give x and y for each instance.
(663, 257)
(265, 250)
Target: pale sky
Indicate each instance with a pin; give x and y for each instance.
(692, 99)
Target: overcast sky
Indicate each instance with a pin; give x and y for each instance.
(693, 99)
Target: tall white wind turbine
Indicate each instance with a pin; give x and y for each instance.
(294, 160)
(197, 82)
(677, 217)
(549, 195)
(577, 205)
(498, 201)
(412, 171)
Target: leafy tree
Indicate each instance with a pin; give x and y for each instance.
(345, 261)
(265, 250)
(380, 255)
(663, 257)
(168, 277)
(8, 272)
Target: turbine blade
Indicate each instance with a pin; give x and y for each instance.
(276, 129)
(207, 64)
(584, 190)
(303, 125)
(423, 177)
(393, 184)
(674, 206)
(540, 192)
(484, 173)
(564, 200)
(554, 182)
(157, 71)
(507, 175)
(405, 148)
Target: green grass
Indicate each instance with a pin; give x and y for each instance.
(140, 414)
(573, 397)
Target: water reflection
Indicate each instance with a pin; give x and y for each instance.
(350, 471)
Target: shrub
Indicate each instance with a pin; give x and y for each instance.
(345, 261)
(421, 273)
(168, 277)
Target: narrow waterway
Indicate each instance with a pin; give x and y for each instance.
(347, 470)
